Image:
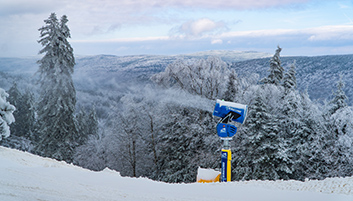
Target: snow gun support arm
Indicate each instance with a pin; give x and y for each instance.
(227, 119)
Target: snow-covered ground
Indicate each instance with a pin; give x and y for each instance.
(28, 177)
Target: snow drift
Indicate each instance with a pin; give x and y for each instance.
(24, 176)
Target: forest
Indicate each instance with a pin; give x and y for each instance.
(163, 129)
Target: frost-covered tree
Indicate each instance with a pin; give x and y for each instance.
(131, 148)
(340, 139)
(185, 145)
(341, 152)
(92, 154)
(276, 70)
(24, 114)
(205, 78)
(258, 139)
(15, 98)
(87, 124)
(231, 88)
(340, 99)
(264, 151)
(22, 129)
(289, 80)
(6, 114)
(56, 124)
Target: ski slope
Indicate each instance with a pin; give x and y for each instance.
(24, 176)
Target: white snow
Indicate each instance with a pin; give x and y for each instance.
(24, 176)
(207, 174)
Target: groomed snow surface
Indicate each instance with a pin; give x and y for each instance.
(24, 176)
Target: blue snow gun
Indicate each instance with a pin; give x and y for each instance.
(229, 111)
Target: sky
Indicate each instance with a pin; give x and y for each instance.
(170, 27)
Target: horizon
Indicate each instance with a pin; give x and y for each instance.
(38, 56)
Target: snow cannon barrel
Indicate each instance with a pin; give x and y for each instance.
(224, 108)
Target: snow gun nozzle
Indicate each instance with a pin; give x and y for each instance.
(230, 111)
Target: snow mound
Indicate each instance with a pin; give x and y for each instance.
(207, 175)
(24, 176)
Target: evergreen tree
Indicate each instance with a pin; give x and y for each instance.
(28, 115)
(56, 125)
(183, 146)
(92, 121)
(24, 114)
(22, 129)
(340, 99)
(231, 88)
(276, 70)
(339, 142)
(87, 124)
(290, 129)
(15, 98)
(257, 133)
(289, 80)
(264, 154)
(6, 115)
(313, 142)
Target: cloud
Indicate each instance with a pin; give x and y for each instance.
(148, 21)
(98, 17)
(198, 28)
(327, 33)
(324, 33)
(209, 4)
(216, 41)
(23, 7)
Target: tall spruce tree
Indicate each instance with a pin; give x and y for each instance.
(56, 124)
(261, 145)
(340, 99)
(310, 141)
(183, 146)
(231, 88)
(290, 80)
(340, 139)
(276, 70)
(24, 114)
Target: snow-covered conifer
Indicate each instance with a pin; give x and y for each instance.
(22, 129)
(6, 114)
(260, 144)
(313, 139)
(289, 80)
(87, 124)
(24, 114)
(276, 70)
(56, 125)
(231, 88)
(340, 99)
(183, 146)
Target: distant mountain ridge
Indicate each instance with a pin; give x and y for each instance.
(318, 74)
(117, 69)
